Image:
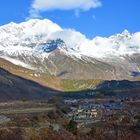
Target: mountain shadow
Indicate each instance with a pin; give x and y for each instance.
(119, 85)
(13, 87)
(123, 88)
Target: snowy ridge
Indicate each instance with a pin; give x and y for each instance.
(43, 37)
(18, 62)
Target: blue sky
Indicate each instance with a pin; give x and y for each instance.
(112, 17)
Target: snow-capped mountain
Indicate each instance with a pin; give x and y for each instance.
(46, 47)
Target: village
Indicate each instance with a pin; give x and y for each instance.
(93, 111)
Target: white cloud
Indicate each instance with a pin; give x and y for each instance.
(46, 5)
(136, 38)
(34, 14)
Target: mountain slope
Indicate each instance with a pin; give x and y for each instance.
(48, 80)
(16, 88)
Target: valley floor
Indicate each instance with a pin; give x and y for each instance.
(60, 118)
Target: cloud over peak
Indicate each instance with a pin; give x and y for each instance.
(47, 5)
(38, 31)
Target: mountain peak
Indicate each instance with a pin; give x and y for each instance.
(40, 37)
(126, 32)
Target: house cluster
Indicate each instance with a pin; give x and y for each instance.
(113, 106)
(84, 112)
(70, 101)
(92, 110)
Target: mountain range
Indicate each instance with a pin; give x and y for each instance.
(41, 48)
